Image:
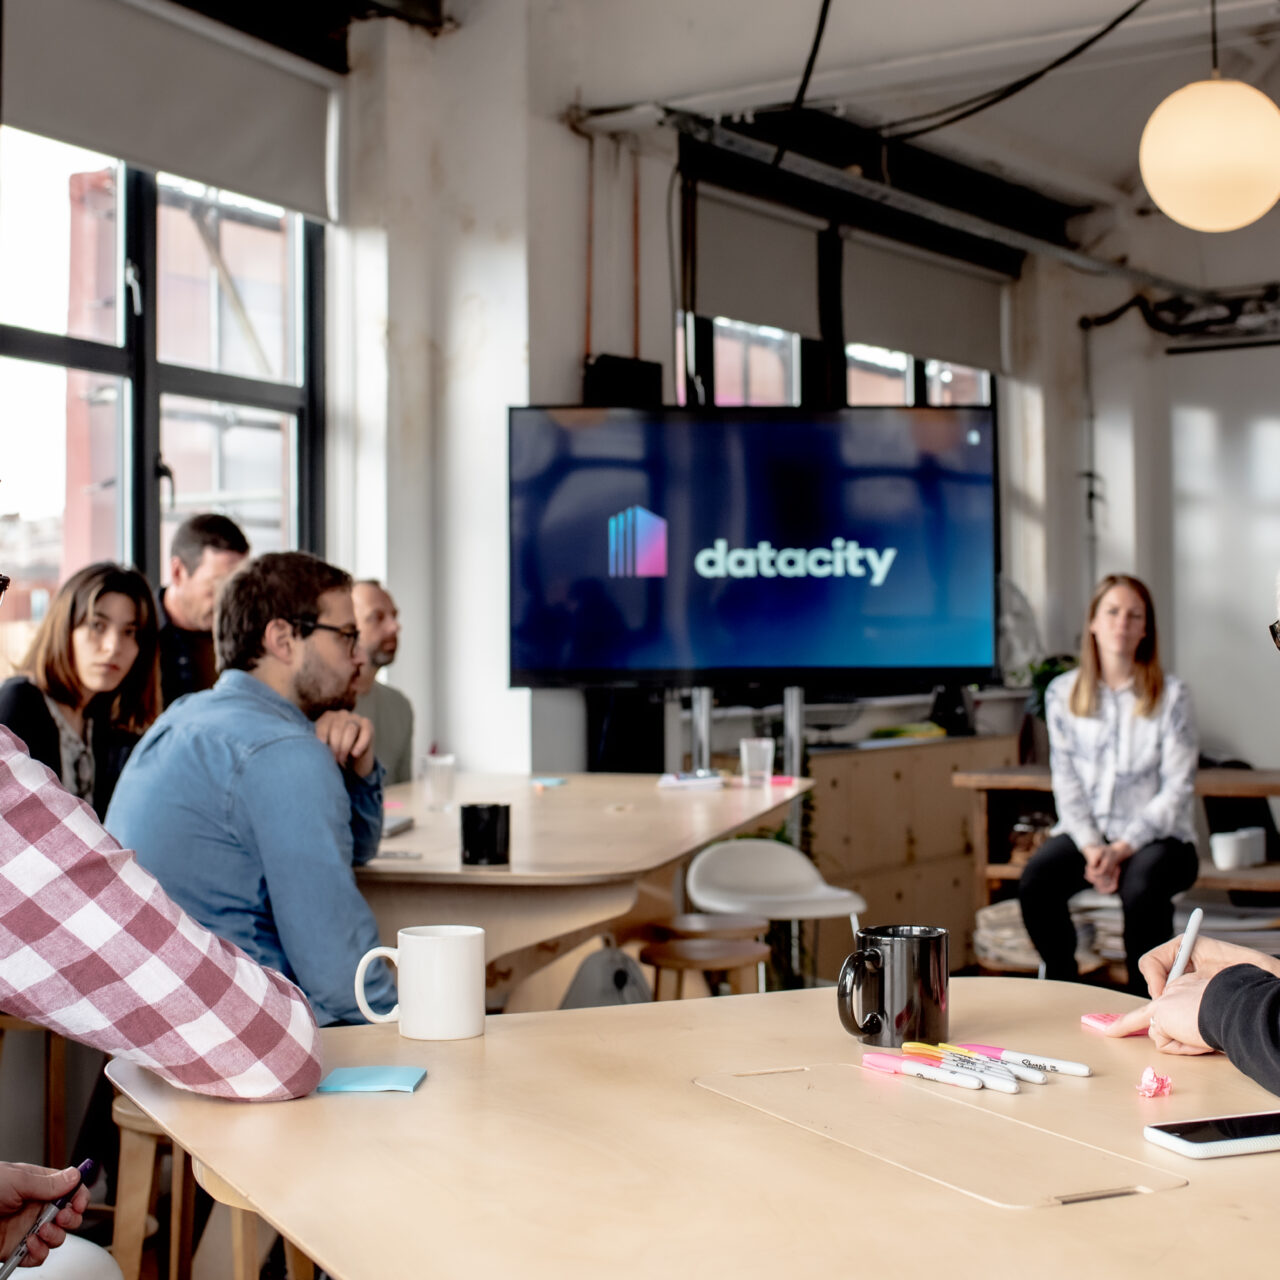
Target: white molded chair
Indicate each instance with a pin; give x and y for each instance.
(766, 878)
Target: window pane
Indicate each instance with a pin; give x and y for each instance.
(877, 375)
(232, 459)
(59, 238)
(60, 496)
(956, 383)
(228, 285)
(755, 364)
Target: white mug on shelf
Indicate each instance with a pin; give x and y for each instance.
(440, 976)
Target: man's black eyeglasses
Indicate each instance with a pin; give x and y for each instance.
(350, 634)
(1275, 629)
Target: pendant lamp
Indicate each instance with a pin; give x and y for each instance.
(1210, 154)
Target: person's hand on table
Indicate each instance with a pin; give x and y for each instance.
(350, 738)
(24, 1190)
(1166, 1014)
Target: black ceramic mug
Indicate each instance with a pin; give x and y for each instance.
(893, 988)
(486, 835)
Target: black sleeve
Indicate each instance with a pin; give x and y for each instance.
(23, 712)
(1240, 1014)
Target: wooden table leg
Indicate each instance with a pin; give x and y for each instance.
(181, 1215)
(55, 1100)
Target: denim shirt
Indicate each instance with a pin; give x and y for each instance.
(1118, 775)
(242, 814)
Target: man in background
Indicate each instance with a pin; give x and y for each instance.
(206, 550)
(251, 802)
(389, 710)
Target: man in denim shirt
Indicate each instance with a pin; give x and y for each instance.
(250, 802)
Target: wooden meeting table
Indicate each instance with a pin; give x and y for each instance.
(604, 1142)
(578, 854)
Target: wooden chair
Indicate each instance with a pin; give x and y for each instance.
(699, 925)
(55, 1087)
(735, 956)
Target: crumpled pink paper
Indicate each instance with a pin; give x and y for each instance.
(1154, 1085)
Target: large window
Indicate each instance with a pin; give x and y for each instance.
(160, 349)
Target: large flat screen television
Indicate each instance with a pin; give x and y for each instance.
(849, 551)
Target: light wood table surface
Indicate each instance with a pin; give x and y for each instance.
(578, 853)
(577, 1144)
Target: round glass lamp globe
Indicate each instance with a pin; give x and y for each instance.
(1210, 155)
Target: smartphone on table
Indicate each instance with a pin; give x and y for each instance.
(1218, 1135)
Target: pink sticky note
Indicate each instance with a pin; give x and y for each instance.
(1154, 1085)
(393, 804)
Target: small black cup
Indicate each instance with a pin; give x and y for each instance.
(486, 835)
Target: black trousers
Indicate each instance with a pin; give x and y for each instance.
(1148, 882)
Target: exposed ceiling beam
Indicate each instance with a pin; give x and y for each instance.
(712, 134)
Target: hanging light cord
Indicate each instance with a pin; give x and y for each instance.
(958, 111)
(808, 71)
(1213, 34)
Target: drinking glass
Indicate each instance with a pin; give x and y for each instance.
(757, 761)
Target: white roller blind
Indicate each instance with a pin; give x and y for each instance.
(755, 267)
(122, 79)
(921, 305)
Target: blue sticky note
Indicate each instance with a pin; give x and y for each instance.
(547, 782)
(372, 1080)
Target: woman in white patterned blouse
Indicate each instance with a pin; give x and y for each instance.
(1123, 752)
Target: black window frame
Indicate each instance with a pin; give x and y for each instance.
(137, 361)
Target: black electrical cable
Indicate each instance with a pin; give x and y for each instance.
(958, 111)
(808, 71)
(1213, 32)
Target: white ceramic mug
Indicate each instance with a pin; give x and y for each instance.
(440, 975)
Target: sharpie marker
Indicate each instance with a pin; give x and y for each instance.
(1030, 1075)
(953, 1056)
(47, 1214)
(1000, 1081)
(894, 1065)
(1058, 1066)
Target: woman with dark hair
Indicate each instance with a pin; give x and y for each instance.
(1123, 753)
(89, 686)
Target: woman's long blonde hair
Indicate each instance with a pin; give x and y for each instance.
(1148, 675)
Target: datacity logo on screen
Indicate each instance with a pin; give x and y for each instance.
(844, 558)
(638, 549)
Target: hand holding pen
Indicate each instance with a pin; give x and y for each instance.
(37, 1208)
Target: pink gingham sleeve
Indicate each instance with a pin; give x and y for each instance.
(92, 947)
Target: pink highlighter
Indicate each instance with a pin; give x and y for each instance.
(894, 1065)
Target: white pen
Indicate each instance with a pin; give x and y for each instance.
(1183, 958)
(1056, 1066)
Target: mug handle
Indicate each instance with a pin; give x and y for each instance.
(390, 953)
(853, 975)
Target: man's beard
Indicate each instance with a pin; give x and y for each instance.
(314, 693)
(382, 657)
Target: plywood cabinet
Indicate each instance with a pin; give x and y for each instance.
(889, 824)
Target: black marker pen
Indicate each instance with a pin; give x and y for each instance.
(47, 1214)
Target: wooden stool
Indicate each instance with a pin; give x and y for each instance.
(141, 1142)
(695, 925)
(55, 1087)
(709, 955)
